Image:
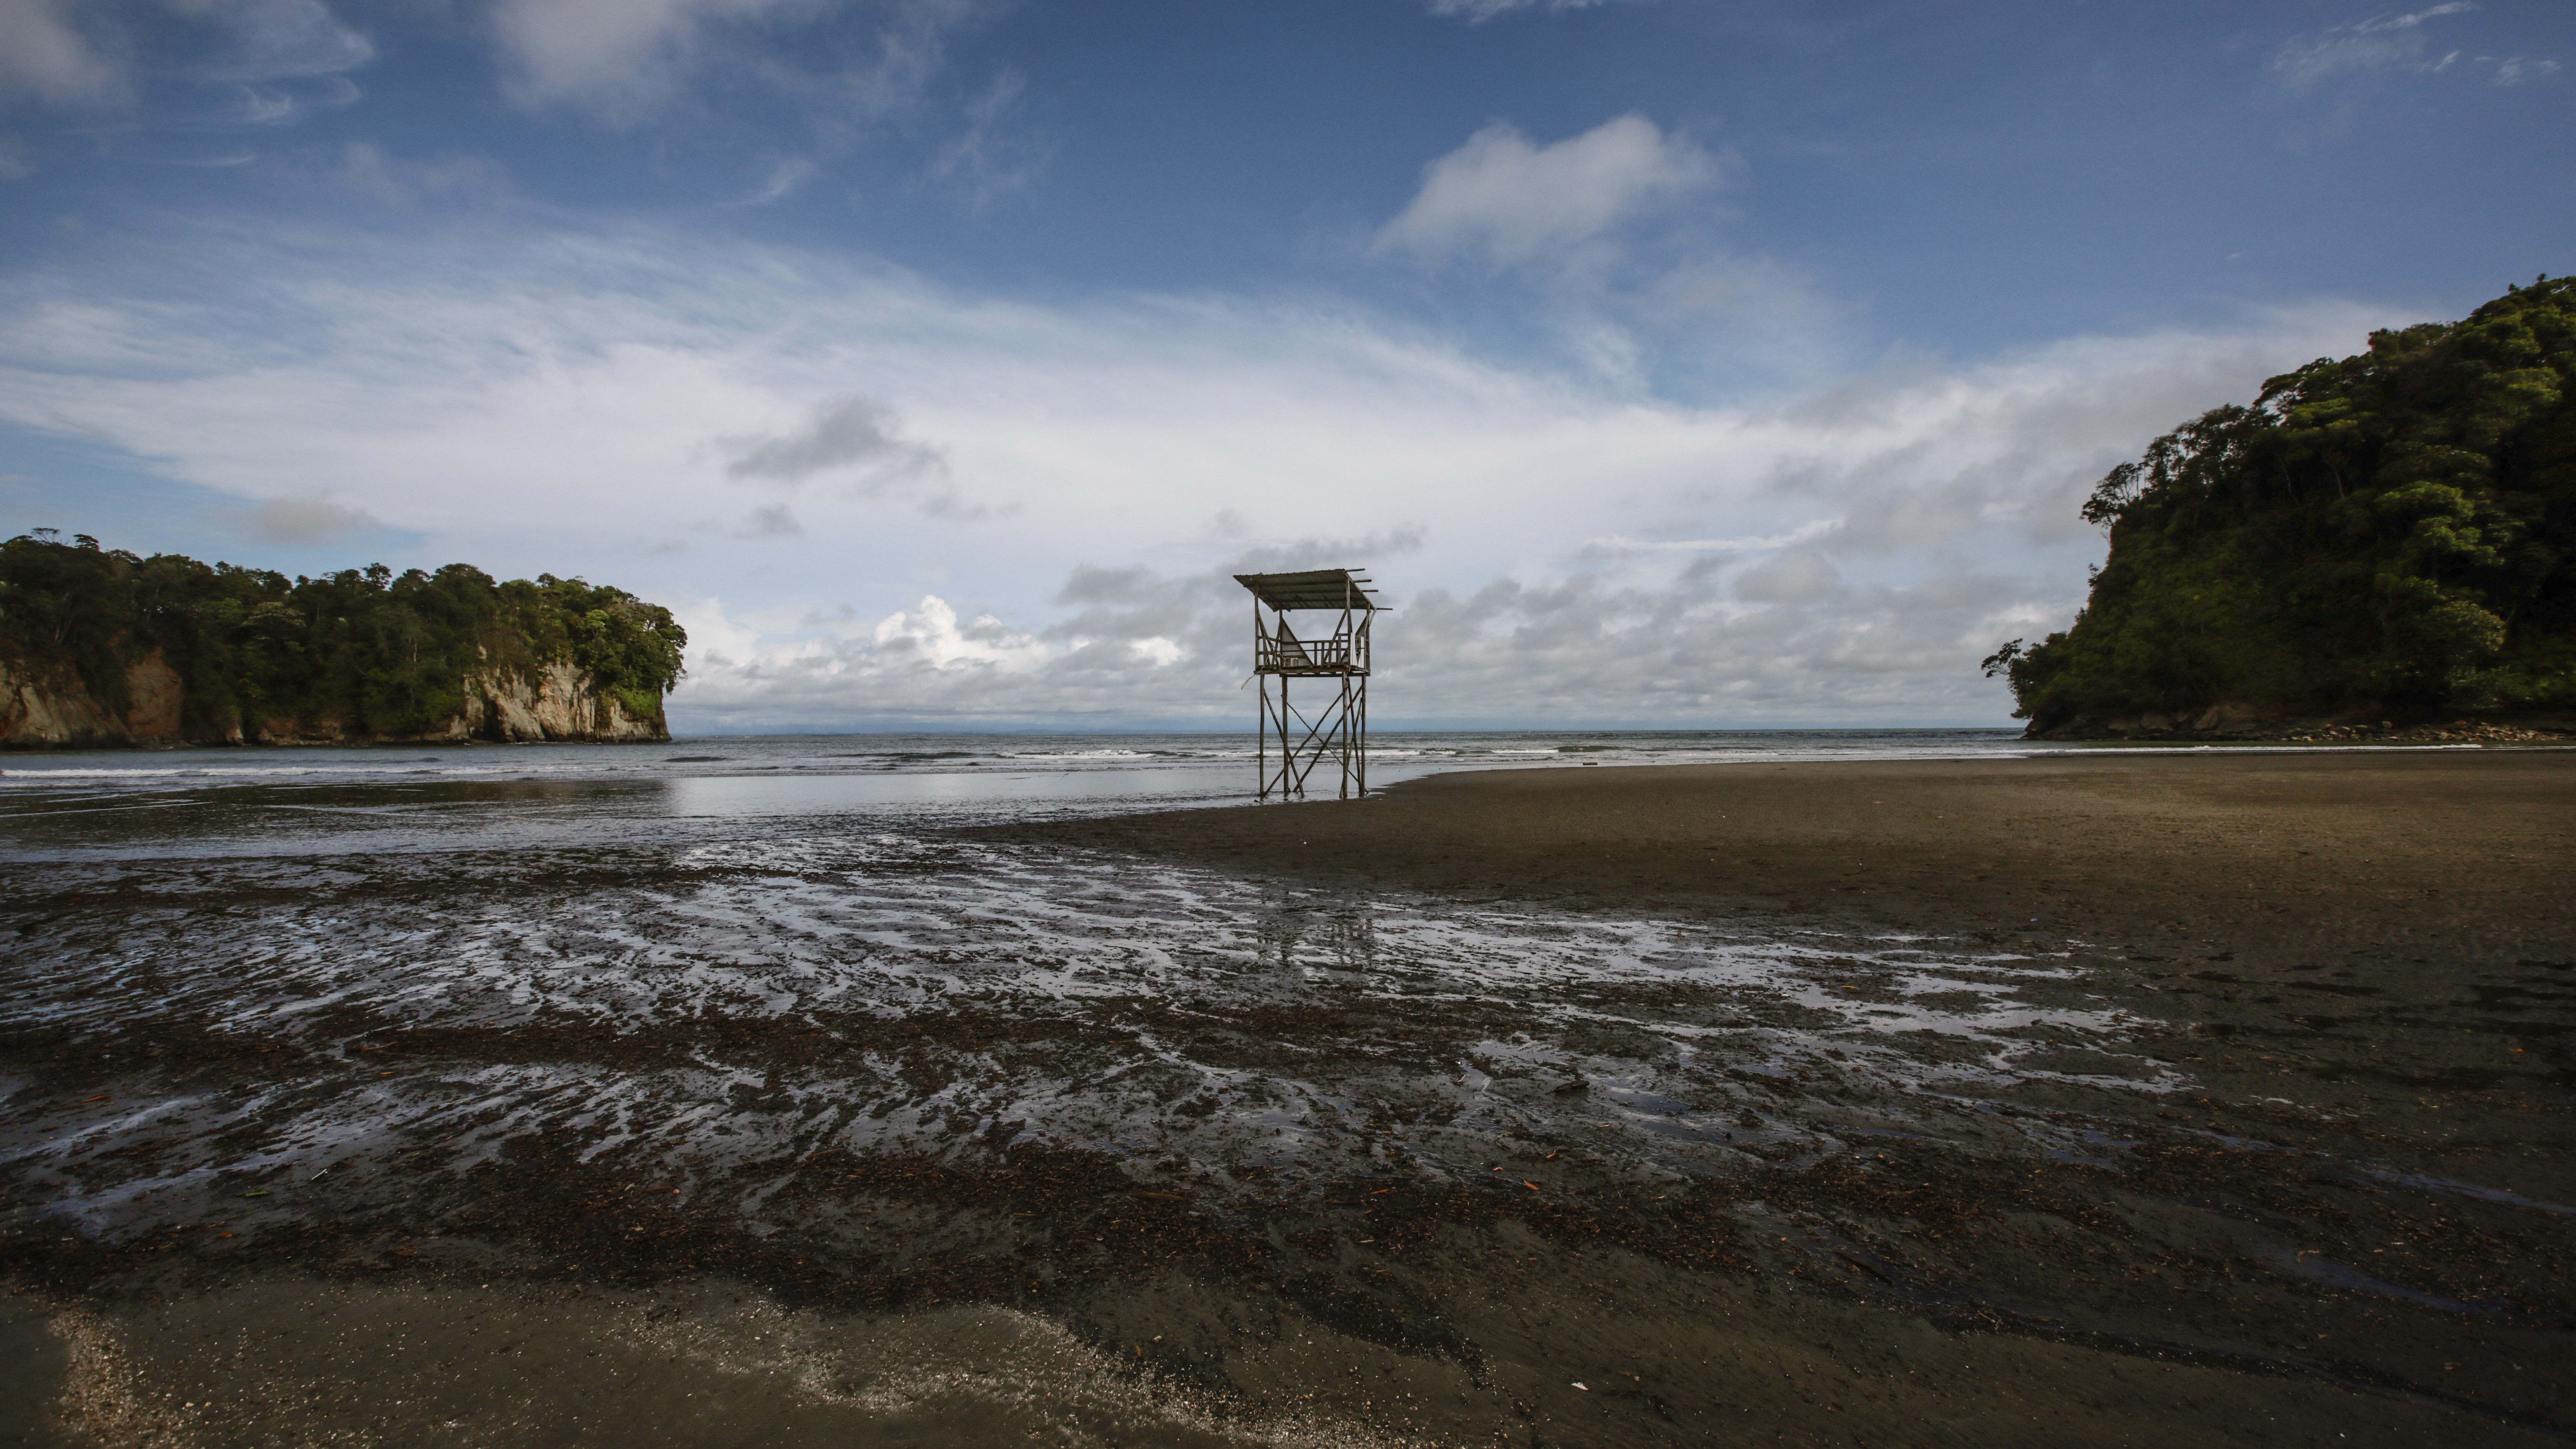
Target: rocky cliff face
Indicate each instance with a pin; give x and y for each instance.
(41, 711)
(558, 703)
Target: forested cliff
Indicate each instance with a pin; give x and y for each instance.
(102, 647)
(2391, 534)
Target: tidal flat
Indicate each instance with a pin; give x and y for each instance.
(2082, 1099)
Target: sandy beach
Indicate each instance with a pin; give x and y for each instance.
(2082, 1100)
(2463, 855)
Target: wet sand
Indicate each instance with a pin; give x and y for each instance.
(2466, 856)
(2363, 963)
(2113, 1100)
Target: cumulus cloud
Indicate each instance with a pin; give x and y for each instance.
(1138, 645)
(1510, 201)
(308, 520)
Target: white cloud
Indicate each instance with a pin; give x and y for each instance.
(931, 633)
(786, 178)
(2410, 20)
(45, 57)
(616, 56)
(1510, 201)
(2514, 70)
(274, 60)
(269, 40)
(624, 60)
(1477, 12)
(2388, 42)
(1848, 551)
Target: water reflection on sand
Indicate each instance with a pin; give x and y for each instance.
(750, 989)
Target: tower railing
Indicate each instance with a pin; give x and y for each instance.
(1295, 742)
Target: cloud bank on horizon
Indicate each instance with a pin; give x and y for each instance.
(938, 361)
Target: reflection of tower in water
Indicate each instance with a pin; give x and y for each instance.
(1333, 650)
(1294, 941)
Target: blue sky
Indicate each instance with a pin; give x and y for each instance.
(1671, 363)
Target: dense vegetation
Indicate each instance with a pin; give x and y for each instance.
(2390, 531)
(385, 654)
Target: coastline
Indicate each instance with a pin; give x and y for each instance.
(1600, 1106)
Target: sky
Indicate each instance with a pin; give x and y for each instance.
(1668, 363)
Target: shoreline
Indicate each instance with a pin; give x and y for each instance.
(1719, 1140)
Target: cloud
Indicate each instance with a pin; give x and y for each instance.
(2514, 70)
(622, 61)
(269, 40)
(2390, 42)
(1556, 549)
(1807, 532)
(1803, 576)
(1477, 12)
(931, 634)
(617, 57)
(44, 57)
(773, 521)
(308, 520)
(1503, 198)
(400, 181)
(989, 158)
(267, 61)
(786, 178)
(854, 435)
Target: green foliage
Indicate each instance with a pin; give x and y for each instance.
(383, 654)
(2396, 528)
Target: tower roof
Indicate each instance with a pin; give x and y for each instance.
(1313, 589)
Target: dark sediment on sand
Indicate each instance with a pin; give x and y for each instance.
(2109, 1100)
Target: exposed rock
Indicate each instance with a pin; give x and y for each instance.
(154, 695)
(559, 702)
(42, 713)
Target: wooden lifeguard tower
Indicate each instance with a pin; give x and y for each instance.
(1336, 650)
